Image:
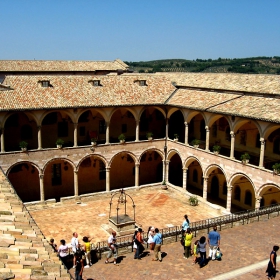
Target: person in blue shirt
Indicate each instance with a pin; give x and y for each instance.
(157, 249)
(214, 242)
(186, 223)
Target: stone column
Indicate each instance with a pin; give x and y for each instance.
(167, 171)
(185, 178)
(262, 152)
(2, 141)
(137, 131)
(137, 174)
(166, 128)
(229, 194)
(207, 138)
(39, 127)
(76, 185)
(258, 202)
(186, 133)
(75, 134)
(107, 179)
(232, 140)
(42, 192)
(205, 184)
(107, 133)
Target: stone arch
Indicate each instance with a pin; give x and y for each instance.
(196, 128)
(122, 170)
(58, 178)
(216, 177)
(92, 174)
(245, 184)
(269, 192)
(151, 166)
(122, 121)
(24, 176)
(13, 125)
(176, 125)
(57, 126)
(152, 119)
(175, 173)
(193, 165)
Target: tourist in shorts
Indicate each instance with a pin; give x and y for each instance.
(112, 248)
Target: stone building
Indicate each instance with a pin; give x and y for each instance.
(80, 102)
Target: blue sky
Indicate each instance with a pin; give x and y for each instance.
(138, 30)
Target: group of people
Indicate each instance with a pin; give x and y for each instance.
(154, 241)
(81, 253)
(199, 247)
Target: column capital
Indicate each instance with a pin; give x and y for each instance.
(137, 164)
(229, 187)
(207, 128)
(76, 171)
(41, 176)
(258, 198)
(232, 134)
(185, 168)
(186, 124)
(262, 140)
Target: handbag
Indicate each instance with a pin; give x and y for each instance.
(218, 254)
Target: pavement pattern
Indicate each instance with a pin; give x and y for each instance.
(245, 248)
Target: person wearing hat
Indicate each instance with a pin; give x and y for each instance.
(139, 241)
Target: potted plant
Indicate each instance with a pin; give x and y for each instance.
(216, 149)
(149, 135)
(195, 143)
(193, 200)
(276, 168)
(121, 138)
(59, 142)
(245, 158)
(163, 185)
(93, 141)
(23, 145)
(176, 137)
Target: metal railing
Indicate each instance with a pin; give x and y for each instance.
(176, 231)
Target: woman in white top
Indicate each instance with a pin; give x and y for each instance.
(151, 233)
(63, 251)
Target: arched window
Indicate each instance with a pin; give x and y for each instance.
(195, 176)
(237, 193)
(248, 198)
(276, 145)
(26, 132)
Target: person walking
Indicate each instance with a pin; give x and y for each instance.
(87, 250)
(271, 267)
(157, 249)
(139, 242)
(75, 246)
(151, 233)
(79, 266)
(202, 250)
(188, 243)
(112, 240)
(214, 242)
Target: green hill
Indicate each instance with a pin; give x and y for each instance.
(250, 65)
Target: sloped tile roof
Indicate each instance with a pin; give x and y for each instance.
(244, 105)
(68, 91)
(225, 81)
(59, 65)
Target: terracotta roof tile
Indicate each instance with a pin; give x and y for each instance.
(226, 81)
(76, 91)
(60, 65)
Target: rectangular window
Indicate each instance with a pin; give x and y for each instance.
(102, 127)
(45, 83)
(142, 83)
(62, 129)
(56, 174)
